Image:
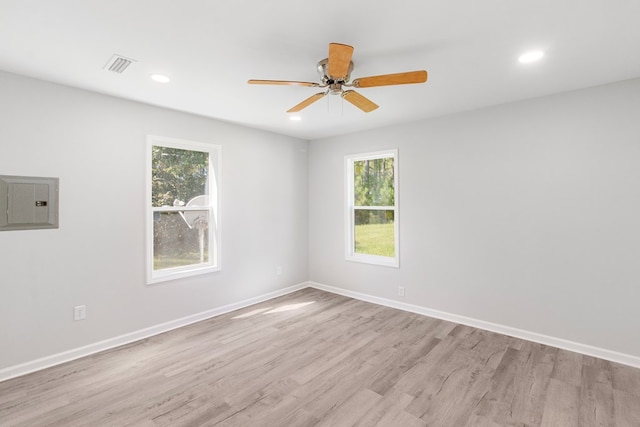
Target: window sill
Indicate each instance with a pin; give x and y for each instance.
(375, 260)
(173, 274)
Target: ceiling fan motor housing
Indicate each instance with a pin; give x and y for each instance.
(333, 82)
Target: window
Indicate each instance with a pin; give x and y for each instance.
(372, 208)
(183, 217)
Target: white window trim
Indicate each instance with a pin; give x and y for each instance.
(350, 253)
(215, 173)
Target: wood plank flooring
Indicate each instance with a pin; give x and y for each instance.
(313, 358)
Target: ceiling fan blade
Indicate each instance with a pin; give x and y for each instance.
(282, 82)
(339, 59)
(392, 79)
(307, 102)
(363, 103)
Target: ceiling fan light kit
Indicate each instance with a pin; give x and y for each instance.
(335, 73)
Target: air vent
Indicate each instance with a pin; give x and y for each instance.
(118, 64)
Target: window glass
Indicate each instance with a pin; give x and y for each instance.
(183, 210)
(175, 244)
(374, 182)
(178, 175)
(372, 211)
(374, 232)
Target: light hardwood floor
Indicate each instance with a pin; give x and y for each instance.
(315, 358)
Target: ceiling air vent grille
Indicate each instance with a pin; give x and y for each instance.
(118, 64)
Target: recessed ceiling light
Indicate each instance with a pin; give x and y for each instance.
(532, 56)
(160, 78)
(295, 118)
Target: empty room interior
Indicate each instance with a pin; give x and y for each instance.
(278, 213)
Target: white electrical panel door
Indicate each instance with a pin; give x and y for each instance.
(28, 202)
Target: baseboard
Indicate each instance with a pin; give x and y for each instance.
(76, 353)
(613, 356)
(67, 356)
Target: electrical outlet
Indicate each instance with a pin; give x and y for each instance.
(80, 312)
(279, 270)
(401, 291)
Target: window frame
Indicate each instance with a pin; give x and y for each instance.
(214, 177)
(350, 209)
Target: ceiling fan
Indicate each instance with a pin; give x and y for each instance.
(335, 73)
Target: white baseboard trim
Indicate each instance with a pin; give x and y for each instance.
(76, 353)
(613, 356)
(67, 356)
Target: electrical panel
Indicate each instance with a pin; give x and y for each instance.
(28, 202)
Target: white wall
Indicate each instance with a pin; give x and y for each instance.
(525, 215)
(95, 144)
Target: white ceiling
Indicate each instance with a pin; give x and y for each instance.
(210, 48)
